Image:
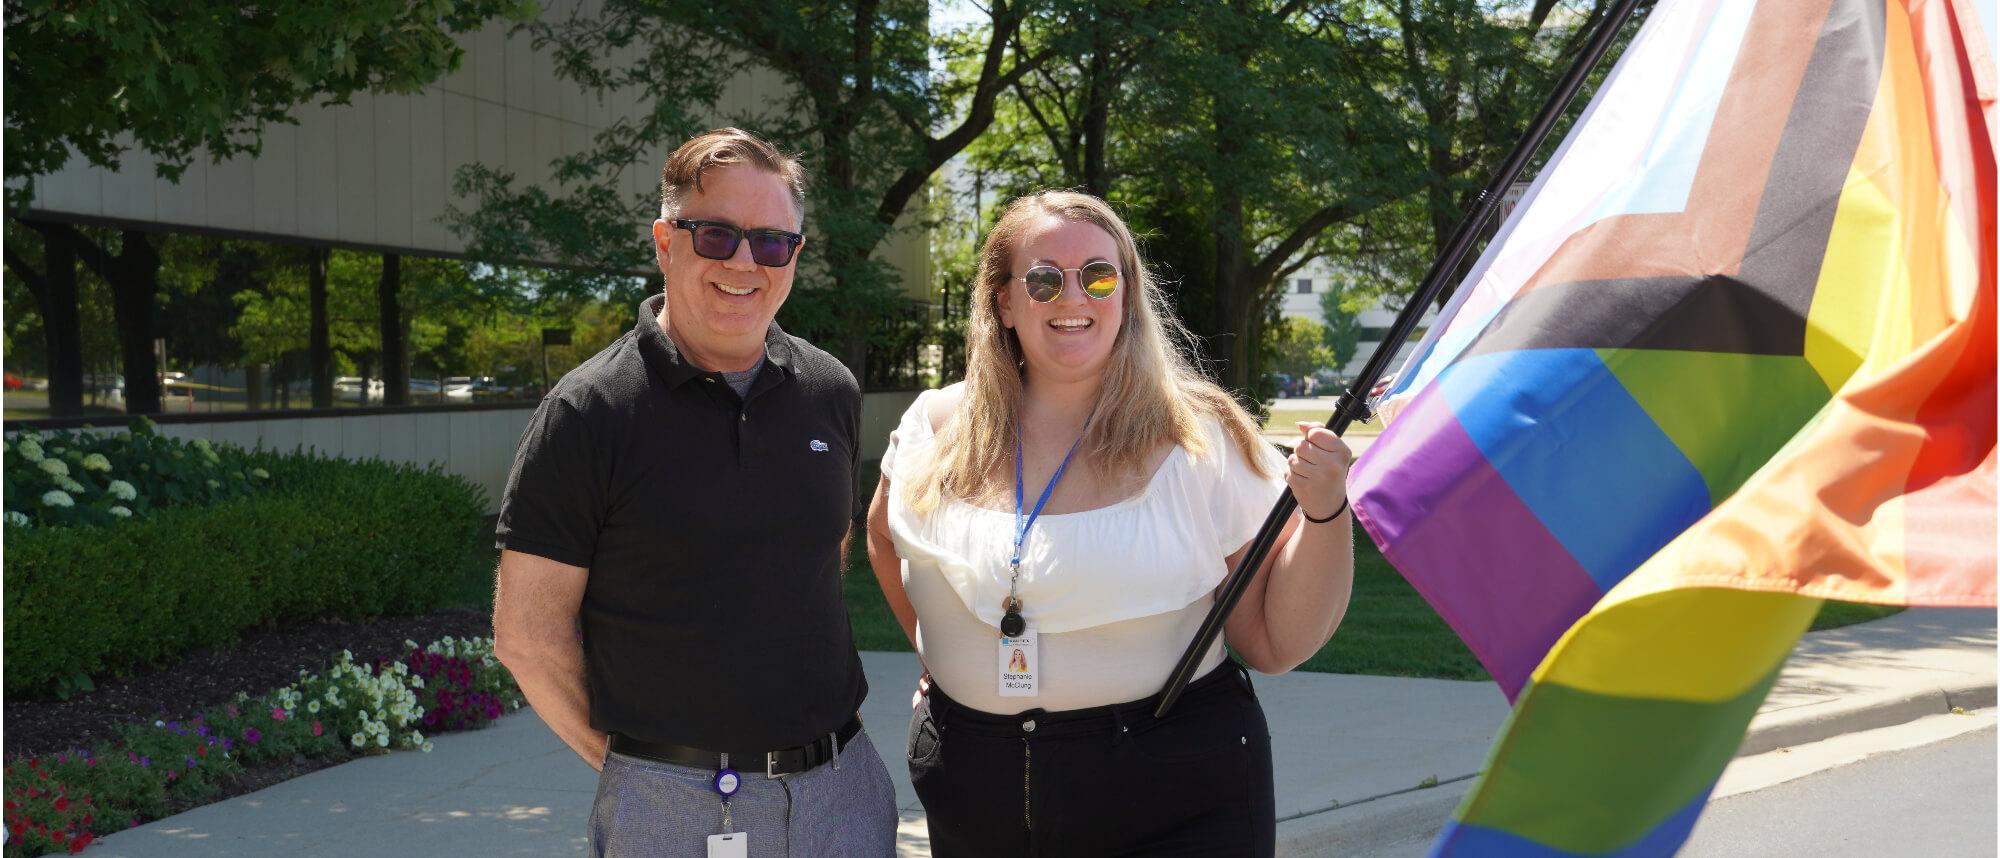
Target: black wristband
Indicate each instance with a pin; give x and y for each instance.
(1336, 513)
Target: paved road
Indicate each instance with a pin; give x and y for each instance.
(1936, 799)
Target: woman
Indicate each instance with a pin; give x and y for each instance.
(1080, 497)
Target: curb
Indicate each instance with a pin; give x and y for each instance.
(1402, 823)
(1813, 722)
(1405, 823)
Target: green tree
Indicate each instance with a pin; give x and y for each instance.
(1298, 347)
(176, 79)
(1342, 331)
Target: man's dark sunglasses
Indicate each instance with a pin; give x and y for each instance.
(771, 248)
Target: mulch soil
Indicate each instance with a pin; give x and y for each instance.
(262, 660)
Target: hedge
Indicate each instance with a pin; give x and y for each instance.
(327, 539)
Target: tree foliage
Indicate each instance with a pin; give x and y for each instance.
(173, 79)
(1298, 347)
(1342, 329)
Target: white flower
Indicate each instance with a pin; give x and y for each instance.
(382, 740)
(427, 747)
(96, 462)
(357, 740)
(313, 707)
(415, 681)
(416, 737)
(71, 486)
(160, 724)
(18, 519)
(29, 450)
(54, 467)
(57, 498)
(122, 490)
(121, 512)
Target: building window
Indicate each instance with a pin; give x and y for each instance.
(1305, 286)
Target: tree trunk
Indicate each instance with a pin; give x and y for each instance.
(319, 342)
(395, 364)
(1096, 117)
(62, 328)
(253, 386)
(135, 280)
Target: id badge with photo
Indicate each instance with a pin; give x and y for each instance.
(1020, 664)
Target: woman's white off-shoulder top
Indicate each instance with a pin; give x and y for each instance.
(1116, 593)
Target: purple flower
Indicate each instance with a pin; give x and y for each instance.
(190, 762)
(251, 735)
(228, 743)
(145, 762)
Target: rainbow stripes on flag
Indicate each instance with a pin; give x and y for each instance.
(1733, 354)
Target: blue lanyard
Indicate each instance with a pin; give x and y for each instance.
(1021, 527)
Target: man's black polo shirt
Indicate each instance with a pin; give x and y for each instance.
(712, 527)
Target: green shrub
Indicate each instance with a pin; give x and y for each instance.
(326, 538)
(87, 479)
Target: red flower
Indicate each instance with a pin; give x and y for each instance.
(81, 841)
(317, 729)
(201, 751)
(277, 713)
(62, 803)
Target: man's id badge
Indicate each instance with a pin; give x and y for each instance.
(729, 845)
(1019, 664)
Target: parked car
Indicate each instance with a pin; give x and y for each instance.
(458, 388)
(486, 386)
(348, 388)
(424, 388)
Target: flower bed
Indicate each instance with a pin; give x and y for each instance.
(83, 478)
(62, 802)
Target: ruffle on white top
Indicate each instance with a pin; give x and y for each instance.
(1155, 552)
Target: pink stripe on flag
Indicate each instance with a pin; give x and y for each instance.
(1447, 521)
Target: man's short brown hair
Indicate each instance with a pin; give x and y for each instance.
(723, 147)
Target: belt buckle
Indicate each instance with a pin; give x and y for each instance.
(771, 764)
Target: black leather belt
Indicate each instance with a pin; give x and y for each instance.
(774, 763)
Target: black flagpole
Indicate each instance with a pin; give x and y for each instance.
(1351, 406)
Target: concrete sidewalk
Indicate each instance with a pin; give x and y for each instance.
(1353, 757)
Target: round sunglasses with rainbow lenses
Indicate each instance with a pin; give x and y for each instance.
(1097, 279)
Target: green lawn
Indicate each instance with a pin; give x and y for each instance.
(1389, 629)
(1286, 420)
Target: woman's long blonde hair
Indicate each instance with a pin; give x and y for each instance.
(1151, 393)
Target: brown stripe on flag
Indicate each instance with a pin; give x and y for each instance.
(1734, 271)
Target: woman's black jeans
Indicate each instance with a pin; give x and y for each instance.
(1110, 780)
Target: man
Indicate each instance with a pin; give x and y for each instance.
(685, 495)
